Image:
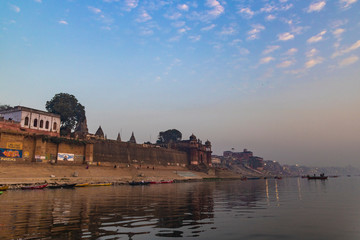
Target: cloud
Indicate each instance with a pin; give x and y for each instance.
(38, 1)
(144, 17)
(94, 10)
(130, 4)
(312, 53)
(348, 61)
(285, 64)
(270, 17)
(183, 7)
(266, 60)
(285, 36)
(63, 22)
(178, 24)
(312, 62)
(318, 37)
(228, 31)
(195, 38)
(268, 8)
(254, 33)
(173, 16)
(270, 49)
(347, 3)
(353, 47)
(15, 8)
(208, 28)
(246, 12)
(217, 9)
(291, 51)
(337, 32)
(316, 6)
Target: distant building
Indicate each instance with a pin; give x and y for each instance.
(245, 158)
(33, 119)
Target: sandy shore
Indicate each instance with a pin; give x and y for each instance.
(30, 173)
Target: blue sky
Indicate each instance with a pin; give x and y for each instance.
(280, 78)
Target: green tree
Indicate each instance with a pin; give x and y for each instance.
(4, 107)
(173, 135)
(70, 110)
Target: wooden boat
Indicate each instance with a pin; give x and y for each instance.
(4, 188)
(82, 185)
(317, 177)
(277, 177)
(34, 187)
(133, 183)
(161, 182)
(99, 184)
(65, 185)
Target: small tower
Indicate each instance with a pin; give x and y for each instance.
(208, 152)
(132, 138)
(194, 159)
(99, 133)
(118, 138)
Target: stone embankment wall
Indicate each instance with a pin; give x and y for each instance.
(111, 151)
(26, 147)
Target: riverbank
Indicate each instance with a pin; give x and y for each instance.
(16, 174)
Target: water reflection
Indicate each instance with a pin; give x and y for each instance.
(189, 210)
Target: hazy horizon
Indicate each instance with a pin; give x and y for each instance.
(278, 77)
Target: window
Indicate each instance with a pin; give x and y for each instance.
(26, 121)
(47, 125)
(41, 123)
(35, 122)
(54, 128)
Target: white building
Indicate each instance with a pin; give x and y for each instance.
(33, 119)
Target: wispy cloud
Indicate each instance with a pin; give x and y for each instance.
(195, 38)
(291, 51)
(316, 6)
(208, 28)
(254, 33)
(94, 10)
(131, 4)
(318, 37)
(246, 12)
(312, 53)
(347, 3)
(183, 7)
(271, 49)
(337, 32)
(285, 36)
(38, 1)
(266, 60)
(270, 17)
(228, 30)
(143, 17)
(353, 47)
(63, 22)
(313, 62)
(173, 16)
(348, 61)
(286, 63)
(217, 8)
(15, 8)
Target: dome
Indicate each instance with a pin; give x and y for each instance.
(193, 137)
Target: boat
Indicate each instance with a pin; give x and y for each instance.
(34, 187)
(277, 177)
(4, 188)
(321, 177)
(65, 185)
(99, 184)
(82, 185)
(133, 183)
(161, 182)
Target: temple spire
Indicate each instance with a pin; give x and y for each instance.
(132, 138)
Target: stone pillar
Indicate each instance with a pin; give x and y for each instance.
(89, 152)
(40, 150)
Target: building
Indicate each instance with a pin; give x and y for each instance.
(33, 119)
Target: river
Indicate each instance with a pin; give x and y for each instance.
(289, 208)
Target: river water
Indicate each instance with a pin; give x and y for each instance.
(290, 208)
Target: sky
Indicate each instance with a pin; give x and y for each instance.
(278, 77)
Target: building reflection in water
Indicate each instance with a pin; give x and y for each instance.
(171, 210)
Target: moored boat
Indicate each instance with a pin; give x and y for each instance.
(82, 185)
(33, 187)
(321, 177)
(133, 183)
(161, 182)
(4, 188)
(99, 184)
(65, 185)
